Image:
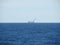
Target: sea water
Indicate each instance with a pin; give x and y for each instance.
(29, 33)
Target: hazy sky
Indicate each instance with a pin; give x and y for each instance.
(28, 10)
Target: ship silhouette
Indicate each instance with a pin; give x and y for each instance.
(31, 21)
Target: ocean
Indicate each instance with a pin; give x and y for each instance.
(29, 33)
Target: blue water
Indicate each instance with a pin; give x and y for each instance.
(29, 33)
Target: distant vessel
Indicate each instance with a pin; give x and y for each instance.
(31, 21)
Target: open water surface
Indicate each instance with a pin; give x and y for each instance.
(29, 33)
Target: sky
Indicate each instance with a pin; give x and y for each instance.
(28, 10)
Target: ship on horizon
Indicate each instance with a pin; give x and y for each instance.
(31, 21)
